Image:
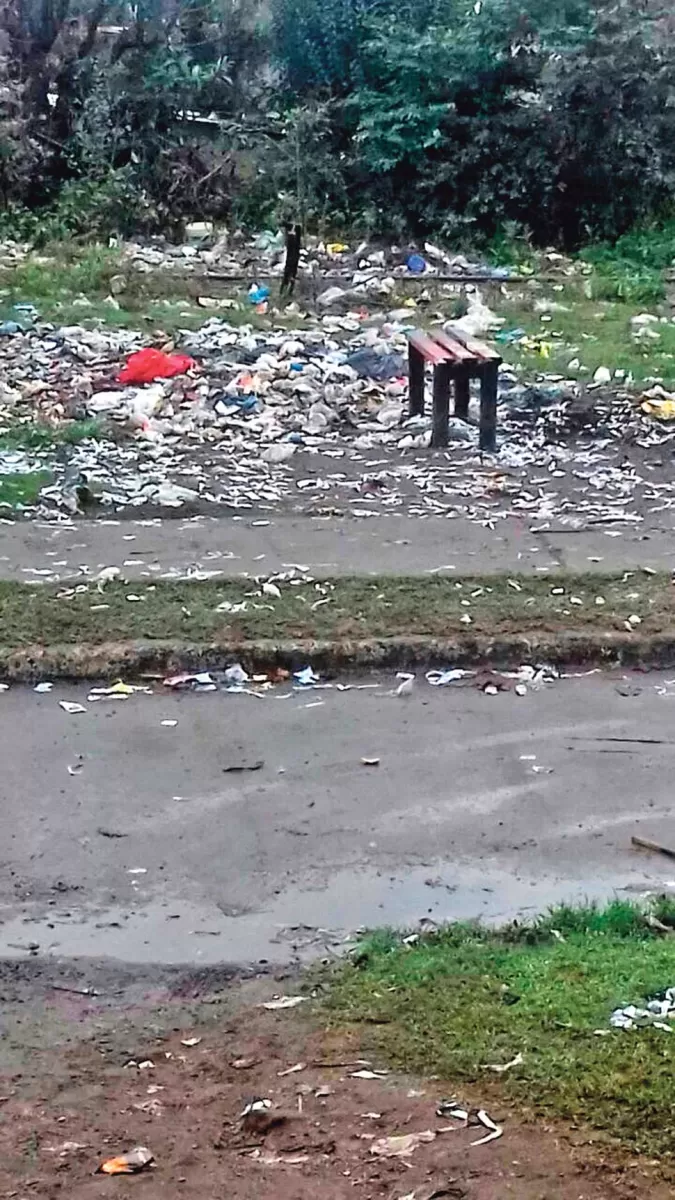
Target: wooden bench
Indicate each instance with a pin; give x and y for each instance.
(459, 359)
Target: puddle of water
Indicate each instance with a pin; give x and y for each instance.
(299, 923)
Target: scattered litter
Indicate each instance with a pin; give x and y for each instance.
(292, 1070)
(201, 681)
(402, 1145)
(451, 1190)
(147, 365)
(283, 1002)
(501, 1068)
(306, 677)
(130, 1163)
(168, 724)
(656, 1008)
(236, 675)
(42, 688)
(445, 677)
(268, 1158)
(192, 1041)
(370, 762)
(365, 1073)
(405, 688)
(70, 707)
(450, 1108)
(233, 768)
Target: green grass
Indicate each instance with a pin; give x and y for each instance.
(59, 272)
(358, 608)
(38, 435)
(596, 333)
(21, 490)
(466, 997)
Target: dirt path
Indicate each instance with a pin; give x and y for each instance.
(76, 1102)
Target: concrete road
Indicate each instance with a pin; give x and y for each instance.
(162, 844)
(260, 544)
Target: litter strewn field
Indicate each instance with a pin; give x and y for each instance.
(303, 408)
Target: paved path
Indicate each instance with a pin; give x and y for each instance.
(263, 544)
(163, 847)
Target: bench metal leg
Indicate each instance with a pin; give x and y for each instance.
(488, 407)
(415, 382)
(462, 394)
(439, 432)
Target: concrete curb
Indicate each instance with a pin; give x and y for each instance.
(132, 659)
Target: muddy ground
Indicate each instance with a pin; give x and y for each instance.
(78, 1100)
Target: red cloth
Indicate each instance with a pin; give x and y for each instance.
(149, 364)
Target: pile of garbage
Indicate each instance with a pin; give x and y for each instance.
(314, 419)
(657, 1013)
(208, 249)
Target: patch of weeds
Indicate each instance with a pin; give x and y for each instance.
(358, 608)
(587, 334)
(632, 268)
(38, 435)
(623, 280)
(467, 996)
(60, 272)
(22, 490)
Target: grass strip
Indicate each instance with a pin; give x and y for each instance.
(350, 608)
(465, 997)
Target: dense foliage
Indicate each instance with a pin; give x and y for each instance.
(398, 116)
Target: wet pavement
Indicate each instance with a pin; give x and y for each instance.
(265, 543)
(168, 843)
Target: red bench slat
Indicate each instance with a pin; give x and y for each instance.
(477, 349)
(432, 351)
(457, 349)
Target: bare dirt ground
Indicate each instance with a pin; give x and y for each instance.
(72, 1099)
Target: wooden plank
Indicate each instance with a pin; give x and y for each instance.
(488, 407)
(458, 351)
(478, 349)
(415, 381)
(656, 847)
(429, 349)
(462, 395)
(441, 413)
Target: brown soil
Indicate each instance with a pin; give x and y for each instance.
(86, 1105)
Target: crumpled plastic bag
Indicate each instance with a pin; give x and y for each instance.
(146, 365)
(659, 403)
(138, 1159)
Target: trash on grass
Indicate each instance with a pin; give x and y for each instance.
(501, 1068)
(653, 1014)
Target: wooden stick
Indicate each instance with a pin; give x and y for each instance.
(415, 381)
(441, 413)
(645, 844)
